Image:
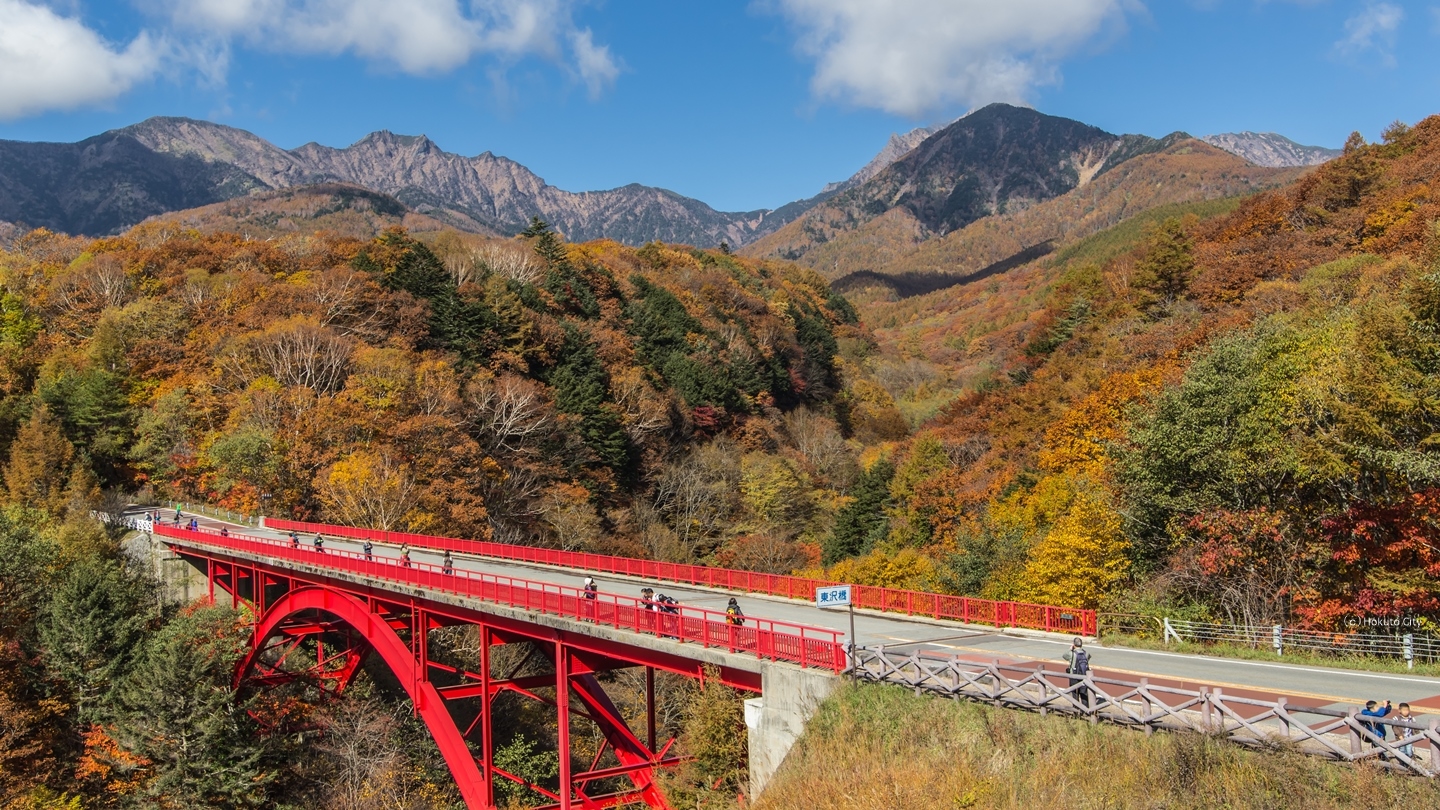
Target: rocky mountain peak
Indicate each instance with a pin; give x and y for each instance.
(1270, 149)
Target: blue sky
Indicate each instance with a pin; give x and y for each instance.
(744, 104)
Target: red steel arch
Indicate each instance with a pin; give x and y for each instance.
(389, 608)
(291, 610)
(385, 642)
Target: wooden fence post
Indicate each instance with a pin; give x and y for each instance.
(1354, 725)
(1434, 745)
(1145, 696)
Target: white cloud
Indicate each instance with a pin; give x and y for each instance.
(597, 69)
(914, 57)
(52, 62)
(1372, 31)
(418, 37)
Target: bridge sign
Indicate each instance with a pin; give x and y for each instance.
(832, 596)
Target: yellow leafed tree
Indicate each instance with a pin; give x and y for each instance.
(39, 467)
(1082, 557)
(368, 489)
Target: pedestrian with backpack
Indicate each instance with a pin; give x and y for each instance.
(369, 549)
(1078, 661)
(668, 606)
(733, 614)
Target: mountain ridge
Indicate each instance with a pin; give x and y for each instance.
(996, 159)
(1271, 149)
(493, 190)
(111, 181)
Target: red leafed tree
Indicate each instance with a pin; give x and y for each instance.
(1385, 561)
(1249, 566)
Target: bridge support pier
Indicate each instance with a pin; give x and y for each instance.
(789, 697)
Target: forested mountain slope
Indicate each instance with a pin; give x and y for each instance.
(667, 402)
(528, 389)
(1226, 408)
(340, 208)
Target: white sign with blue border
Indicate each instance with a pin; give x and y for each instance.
(832, 596)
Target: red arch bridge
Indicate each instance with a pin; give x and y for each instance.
(319, 615)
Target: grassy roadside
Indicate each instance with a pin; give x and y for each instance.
(1298, 657)
(880, 746)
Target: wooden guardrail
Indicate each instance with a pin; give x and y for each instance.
(1408, 746)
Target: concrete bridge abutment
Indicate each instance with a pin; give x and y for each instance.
(789, 697)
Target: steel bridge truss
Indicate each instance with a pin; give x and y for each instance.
(317, 631)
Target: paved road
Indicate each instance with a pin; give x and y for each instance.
(1314, 686)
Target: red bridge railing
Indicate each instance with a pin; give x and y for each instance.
(894, 600)
(810, 647)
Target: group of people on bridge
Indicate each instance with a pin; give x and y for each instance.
(447, 562)
(649, 599)
(662, 604)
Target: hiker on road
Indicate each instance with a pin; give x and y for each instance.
(1078, 660)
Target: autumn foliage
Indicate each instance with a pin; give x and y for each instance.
(1225, 409)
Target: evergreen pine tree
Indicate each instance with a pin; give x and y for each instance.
(582, 389)
(177, 708)
(547, 243)
(96, 621)
(813, 333)
(1163, 275)
(564, 282)
(862, 522)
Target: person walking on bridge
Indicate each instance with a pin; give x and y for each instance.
(1078, 661)
(294, 539)
(733, 614)
(405, 555)
(591, 590)
(369, 549)
(319, 543)
(447, 565)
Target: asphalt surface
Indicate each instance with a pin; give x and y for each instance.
(1313, 686)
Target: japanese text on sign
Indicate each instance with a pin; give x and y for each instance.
(833, 596)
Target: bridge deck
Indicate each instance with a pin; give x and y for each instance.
(1317, 686)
